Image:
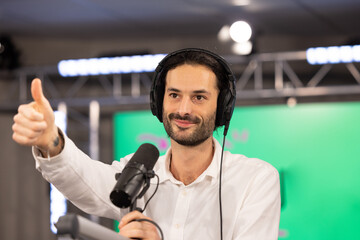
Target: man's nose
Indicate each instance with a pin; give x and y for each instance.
(185, 106)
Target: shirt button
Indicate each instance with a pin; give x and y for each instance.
(184, 193)
(177, 226)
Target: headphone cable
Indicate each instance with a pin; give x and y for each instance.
(220, 179)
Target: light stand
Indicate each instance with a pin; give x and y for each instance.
(77, 227)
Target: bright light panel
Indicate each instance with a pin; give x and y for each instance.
(333, 54)
(103, 66)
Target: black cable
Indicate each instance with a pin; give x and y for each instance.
(220, 178)
(157, 186)
(154, 223)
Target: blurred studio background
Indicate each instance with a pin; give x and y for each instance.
(297, 66)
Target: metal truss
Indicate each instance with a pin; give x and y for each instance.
(260, 76)
(311, 81)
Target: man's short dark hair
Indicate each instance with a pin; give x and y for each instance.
(196, 57)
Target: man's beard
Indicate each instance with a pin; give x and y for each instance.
(197, 136)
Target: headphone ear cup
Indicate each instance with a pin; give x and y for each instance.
(220, 109)
(153, 103)
(156, 94)
(156, 101)
(229, 109)
(159, 107)
(225, 107)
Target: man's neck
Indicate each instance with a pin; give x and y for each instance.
(188, 163)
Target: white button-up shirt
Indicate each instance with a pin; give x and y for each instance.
(250, 194)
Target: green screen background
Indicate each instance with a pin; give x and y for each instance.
(315, 147)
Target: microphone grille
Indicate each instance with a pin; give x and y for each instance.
(146, 154)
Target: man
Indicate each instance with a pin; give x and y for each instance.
(192, 94)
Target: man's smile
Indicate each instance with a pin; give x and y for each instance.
(183, 123)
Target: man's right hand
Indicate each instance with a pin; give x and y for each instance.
(132, 227)
(34, 124)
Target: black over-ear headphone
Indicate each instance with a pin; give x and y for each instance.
(226, 98)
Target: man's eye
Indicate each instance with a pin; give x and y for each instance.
(199, 98)
(173, 95)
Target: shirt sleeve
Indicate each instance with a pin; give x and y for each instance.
(85, 182)
(260, 215)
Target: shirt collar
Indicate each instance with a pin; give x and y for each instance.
(163, 171)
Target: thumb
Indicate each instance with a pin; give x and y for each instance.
(36, 91)
(42, 104)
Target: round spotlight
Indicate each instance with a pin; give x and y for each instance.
(240, 31)
(243, 48)
(224, 34)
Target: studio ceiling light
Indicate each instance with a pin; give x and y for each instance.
(114, 65)
(243, 48)
(333, 54)
(240, 31)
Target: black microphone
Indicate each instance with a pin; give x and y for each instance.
(137, 173)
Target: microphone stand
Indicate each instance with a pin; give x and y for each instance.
(148, 175)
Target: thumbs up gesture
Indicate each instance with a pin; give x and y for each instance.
(34, 124)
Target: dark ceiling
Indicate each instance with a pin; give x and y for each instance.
(281, 21)
(147, 18)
